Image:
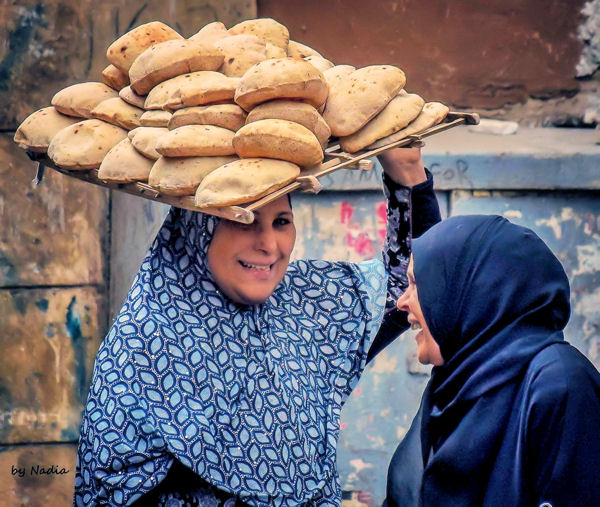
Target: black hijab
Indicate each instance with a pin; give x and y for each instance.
(493, 296)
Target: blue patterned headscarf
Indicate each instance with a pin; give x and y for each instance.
(248, 397)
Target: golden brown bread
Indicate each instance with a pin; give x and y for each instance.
(295, 111)
(118, 112)
(240, 52)
(79, 99)
(169, 59)
(144, 140)
(229, 116)
(155, 118)
(114, 77)
(181, 176)
(83, 145)
(266, 28)
(431, 114)
(279, 139)
(281, 78)
(243, 181)
(122, 52)
(196, 141)
(37, 130)
(124, 164)
(353, 101)
(400, 111)
(193, 89)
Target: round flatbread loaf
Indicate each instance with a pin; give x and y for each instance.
(274, 51)
(431, 114)
(114, 77)
(279, 139)
(84, 144)
(243, 181)
(266, 28)
(401, 110)
(155, 118)
(228, 116)
(298, 50)
(124, 164)
(169, 59)
(319, 62)
(196, 141)
(129, 96)
(79, 99)
(358, 98)
(181, 176)
(211, 33)
(291, 110)
(37, 130)
(144, 140)
(281, 78)
(240, 52)
(118, 112)
(122, 52)
(337, 74)
(194, 89)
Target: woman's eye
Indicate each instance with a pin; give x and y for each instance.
(281, 221)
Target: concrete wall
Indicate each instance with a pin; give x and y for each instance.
(534, 61)
(55, 238)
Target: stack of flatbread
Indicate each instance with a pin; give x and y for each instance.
(227, 115)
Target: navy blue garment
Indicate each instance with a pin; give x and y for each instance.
(512, 417)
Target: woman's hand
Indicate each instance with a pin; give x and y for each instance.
(404, 165)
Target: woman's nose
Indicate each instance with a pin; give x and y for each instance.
(266, 239)
(402, 303)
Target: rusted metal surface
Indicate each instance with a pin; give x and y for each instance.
(52, 234)
(37, 475)
(48, 338)
(468, 54)
(51, 45)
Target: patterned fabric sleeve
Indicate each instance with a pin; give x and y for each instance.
(411, 211)
(396, 251)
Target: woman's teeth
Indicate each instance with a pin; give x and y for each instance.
(254, 266)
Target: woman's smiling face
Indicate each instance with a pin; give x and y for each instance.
(428, 351)
(249, 260)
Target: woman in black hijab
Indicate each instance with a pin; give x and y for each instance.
(511, 415)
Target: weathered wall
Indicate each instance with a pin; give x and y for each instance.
(55, 238)
(492, 56)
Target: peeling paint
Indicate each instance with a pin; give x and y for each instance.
(589, 34)
(588, 260)
(553, 223)
(359, 465)
(384, 363)
(513, 214)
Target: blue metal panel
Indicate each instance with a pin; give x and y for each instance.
(533, 158)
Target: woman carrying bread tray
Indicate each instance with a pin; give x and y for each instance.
(223, 377)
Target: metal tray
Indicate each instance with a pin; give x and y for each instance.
(308, 181)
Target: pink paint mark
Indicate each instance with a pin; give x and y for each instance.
(357, 391)
(343, 425)
(361, 242)
(381, 213)
(346, 212)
